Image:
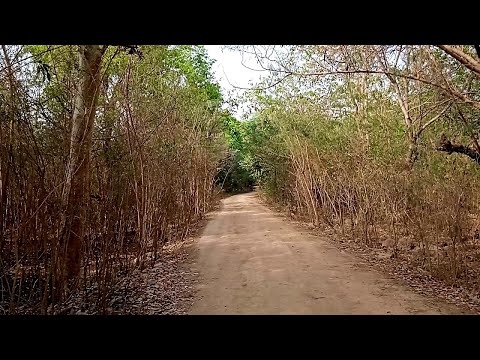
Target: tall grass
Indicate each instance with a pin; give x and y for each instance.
(353, 179)
(157, 143)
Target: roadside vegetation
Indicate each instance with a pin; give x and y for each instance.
(107, 153)
(380, 144)
(110, 153)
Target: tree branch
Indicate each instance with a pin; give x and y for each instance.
(432, 120)
(448, 90)
(462, 57)
(447, 146)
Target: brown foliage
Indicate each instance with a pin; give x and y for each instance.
(90, 192)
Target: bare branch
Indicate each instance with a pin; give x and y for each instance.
(432, 120)
(31, 56)
(458, 95)
(462, 57)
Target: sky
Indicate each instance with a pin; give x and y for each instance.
(230, 72)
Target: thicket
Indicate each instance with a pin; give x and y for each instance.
(106, 154)
(379, 143)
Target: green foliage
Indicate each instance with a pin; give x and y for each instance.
(193, 62)
(157, 143)
(359, 152)
(236, 174)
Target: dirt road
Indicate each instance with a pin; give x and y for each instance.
(252, 261)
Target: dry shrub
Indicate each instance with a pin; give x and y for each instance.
(427, 215)
(156, 146)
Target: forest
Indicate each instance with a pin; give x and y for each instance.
(109, 153)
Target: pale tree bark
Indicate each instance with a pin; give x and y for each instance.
(465, 59)
(77, 177)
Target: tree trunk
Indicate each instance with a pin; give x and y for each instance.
(6, 143)
(77, 177)
(412, 151)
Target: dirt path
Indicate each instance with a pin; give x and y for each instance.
(252, 261)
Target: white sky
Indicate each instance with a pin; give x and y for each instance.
(230, 72)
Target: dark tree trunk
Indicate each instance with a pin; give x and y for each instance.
(447, 146)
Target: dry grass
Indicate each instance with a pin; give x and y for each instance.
(409, 214)
(155, 151)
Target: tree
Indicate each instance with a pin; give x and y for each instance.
(77, 177)
(465, 57)
(417, 75)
